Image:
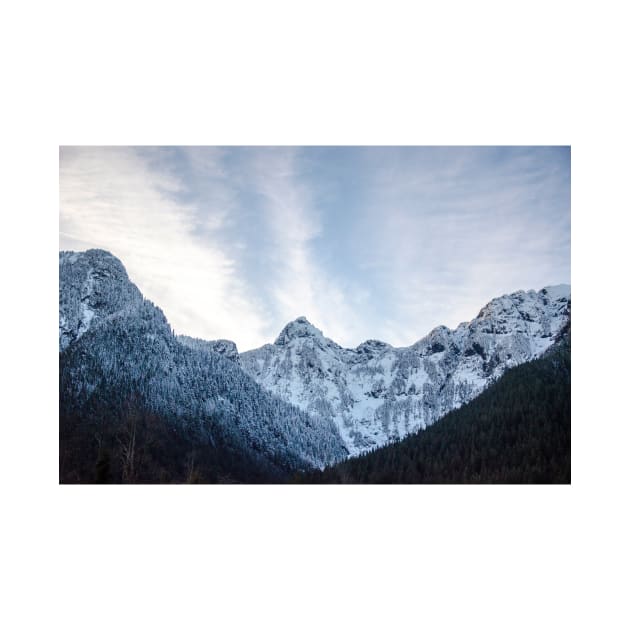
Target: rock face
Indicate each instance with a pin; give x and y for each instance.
(376, 393)
(92, 286)
(224, 347)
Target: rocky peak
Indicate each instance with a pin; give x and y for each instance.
(372, 348)
(92, 285)
(224, 347)
(300, 327)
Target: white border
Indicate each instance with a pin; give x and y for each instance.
(320, 73)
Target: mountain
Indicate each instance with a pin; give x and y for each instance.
(138, 403)
(517, 431)
(376, 393)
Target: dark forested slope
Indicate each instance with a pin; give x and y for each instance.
(138, 405)
(517, 431)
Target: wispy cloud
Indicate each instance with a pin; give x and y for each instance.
(298, 282)
(458, 227)
(124, 200)
(367, 242)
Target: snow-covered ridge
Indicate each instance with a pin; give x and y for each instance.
(375, 392)
(372, 393)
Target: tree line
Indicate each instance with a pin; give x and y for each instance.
(517, 431)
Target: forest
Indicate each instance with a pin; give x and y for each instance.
(138, 406)
(517, 431)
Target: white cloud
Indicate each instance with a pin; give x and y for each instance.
(120, 199)
(447, 238)
(299, 285)
(366, 243)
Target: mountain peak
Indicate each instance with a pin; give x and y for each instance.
(92, 285)
(299, 327)
(224, 347)
(94, 256)
(372, 347)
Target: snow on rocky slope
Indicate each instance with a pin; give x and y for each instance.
(376, 393)
(92, 286)
(113, 343)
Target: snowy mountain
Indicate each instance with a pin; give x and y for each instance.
(376, 393)
(117, 352)
(302, 401)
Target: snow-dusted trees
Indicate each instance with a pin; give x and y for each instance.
(134, 356)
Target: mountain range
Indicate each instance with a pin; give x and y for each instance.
(376, 393)
(132, 393)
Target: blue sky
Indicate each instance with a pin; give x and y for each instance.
(366, 242)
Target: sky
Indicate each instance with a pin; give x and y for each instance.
(365, 242)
